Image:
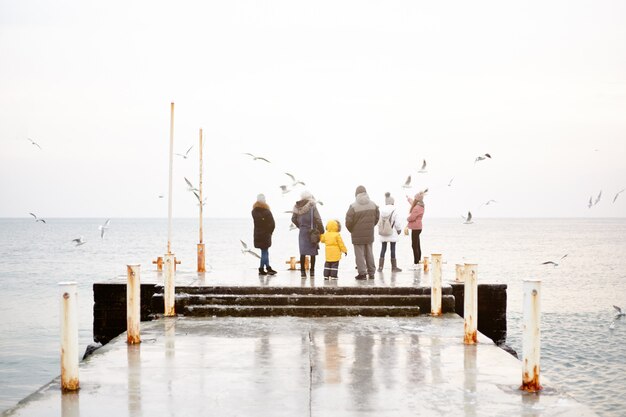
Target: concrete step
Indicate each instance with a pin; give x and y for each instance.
(298, 311)
(446, 289)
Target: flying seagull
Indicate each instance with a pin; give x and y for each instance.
(292, 227)
(247, 250)
(79, 241)
(450, 183)
(590, 203)
(33, 143)
(490, 202)
(468, 219)
(617, 195)
(407, 183)
(423, 168)
(598, 198)
(37, 219)
(186, 154)
(619, 313)
(554, 263)
(103, 228)
(482, 157)
(294, 181)
(190, 186)
(285, 189)
(198, 198)
(254, 157)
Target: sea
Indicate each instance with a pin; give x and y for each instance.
(581, 353)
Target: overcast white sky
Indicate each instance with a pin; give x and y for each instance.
(339, 93)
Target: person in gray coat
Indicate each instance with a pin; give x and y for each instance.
(306, 217)
(361, 218)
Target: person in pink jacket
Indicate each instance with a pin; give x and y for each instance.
(415, 224)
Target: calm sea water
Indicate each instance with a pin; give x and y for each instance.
(580, 354)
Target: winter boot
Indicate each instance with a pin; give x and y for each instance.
(270, 271)
(262, 271)
(394, 265)
(381, 262)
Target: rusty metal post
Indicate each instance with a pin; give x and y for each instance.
(133, 305)
(69, 336)
(169, 204)
(531, 336)
(435, 288)
(169, 292)
(458, 269)
(470, 307)
(426, 267)
(201, 261)
(159, 263)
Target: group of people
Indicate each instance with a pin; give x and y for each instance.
(362, 219)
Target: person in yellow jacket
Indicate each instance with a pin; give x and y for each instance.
(334, 248)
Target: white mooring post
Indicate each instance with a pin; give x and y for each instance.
(200, 247)
(470, 304)
(69, 336)
(426, 266)
(133, 305)
(169, 295)
(458, 270)
(435, 290)
(531, 336)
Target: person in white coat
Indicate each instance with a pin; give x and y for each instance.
(389, 233)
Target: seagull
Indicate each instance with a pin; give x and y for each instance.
(79, 241)
(161, 196)
(285, 189)
(190, 186)
(186, 153)
(482, 157)
(490, 202)
(423, 168)
(33, 143)
(468, 219)
(598, 198)
(292, 227)
(103, 228)
(198, 198)
(554, 263)
(619, 313)
(37, 219)
(590, 203)
(617, 195)
(294, 180)
(407, 183)
(246, 250)
(254, 157)
(450, 183)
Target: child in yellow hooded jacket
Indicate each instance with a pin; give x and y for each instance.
(334, 248)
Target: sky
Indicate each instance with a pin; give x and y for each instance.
(339, 93)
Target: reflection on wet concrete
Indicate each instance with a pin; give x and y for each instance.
(290, 366)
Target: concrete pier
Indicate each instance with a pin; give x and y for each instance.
(289, 366)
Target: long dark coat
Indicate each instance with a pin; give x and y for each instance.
(301, 217)
(263, 225)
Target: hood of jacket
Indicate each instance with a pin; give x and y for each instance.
(303, 206)
(362, 198)
(258, 204)
(332, 226)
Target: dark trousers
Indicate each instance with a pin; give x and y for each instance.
(383, 249)
(415, 244)
(311, 262)
(331, 269)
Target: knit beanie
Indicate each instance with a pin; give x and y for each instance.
(360, 189)
(260, 198)
(306, 195)
(389, 199)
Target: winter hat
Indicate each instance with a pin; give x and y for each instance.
(306, 195)
(360, 189)
(389, 199)
(260, 198)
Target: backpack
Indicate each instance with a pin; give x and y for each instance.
(385, 227)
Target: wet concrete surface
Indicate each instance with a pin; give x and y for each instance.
(288, 366)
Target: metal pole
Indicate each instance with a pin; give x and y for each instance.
(69, 336)
(531, 336)
(458, 269)
(201, 262)
(426, 264)
(435, 292)
(169, 206)
(470, 307)
(133, 305)
(169, 294)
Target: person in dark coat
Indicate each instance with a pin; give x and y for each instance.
(305, 216)
(361, 217)
(263, 228)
